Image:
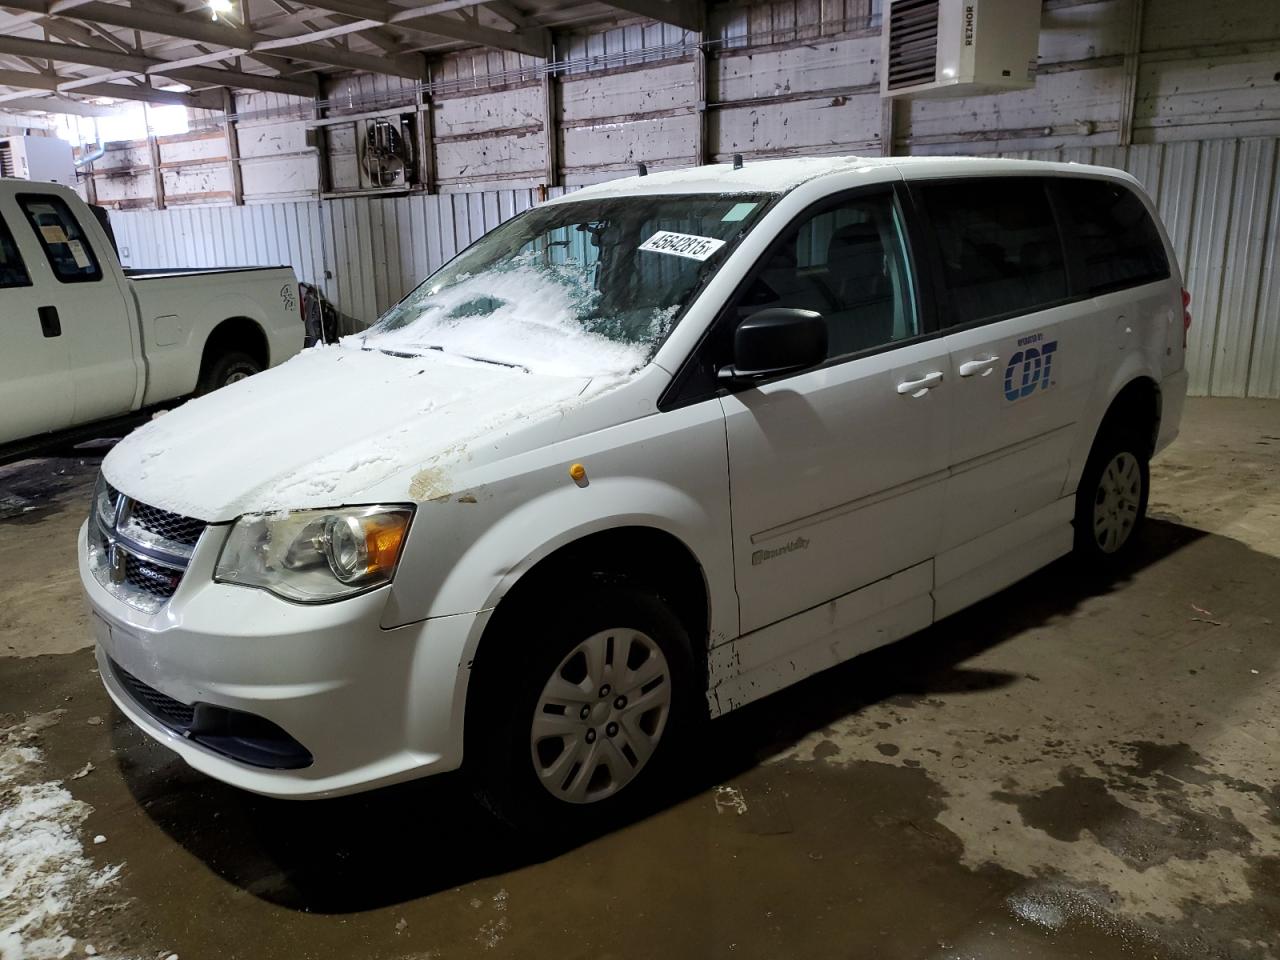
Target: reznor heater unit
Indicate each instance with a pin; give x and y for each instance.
(958, 48)
(37, 158)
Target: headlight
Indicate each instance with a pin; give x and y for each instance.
(104, 501)
(311, 556)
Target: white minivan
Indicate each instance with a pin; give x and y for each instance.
(640, 455)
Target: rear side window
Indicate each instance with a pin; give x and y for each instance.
(65, 244)
(1112, 235)
(998, 242)
(13, 273)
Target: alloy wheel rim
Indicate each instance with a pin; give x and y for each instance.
(236, 377)
(600, 716)
(1115, 506)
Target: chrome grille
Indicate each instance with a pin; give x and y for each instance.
(151, 577)
(169, 526)
(138, 552)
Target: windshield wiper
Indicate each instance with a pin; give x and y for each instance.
(403, 355)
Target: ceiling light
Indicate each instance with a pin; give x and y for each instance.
(216, 7)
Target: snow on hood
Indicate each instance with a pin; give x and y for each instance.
(328, 426)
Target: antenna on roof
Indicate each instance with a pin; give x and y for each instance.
(641, 170)
(737, 161)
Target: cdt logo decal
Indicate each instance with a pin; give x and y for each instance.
(1029, 368)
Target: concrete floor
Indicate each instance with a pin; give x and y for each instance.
(1073, 768)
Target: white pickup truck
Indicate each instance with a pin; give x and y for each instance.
(88, 345)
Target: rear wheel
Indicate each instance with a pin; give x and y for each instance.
(1111, 502)
(586, 716)
(227, 369)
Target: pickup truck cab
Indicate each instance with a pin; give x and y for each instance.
(87, 343)
(639, 456)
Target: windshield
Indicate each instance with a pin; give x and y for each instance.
(574, 289)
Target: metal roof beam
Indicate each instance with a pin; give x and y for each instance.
(53, 83)
(62, 6)
(194, 100)
(431, 19)
(29, 81)
(508, 12)
(239, 40)
(139, 65)
(534, 43)
(679, 13)
(50, 104)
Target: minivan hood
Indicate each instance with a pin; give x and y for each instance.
(327, 427)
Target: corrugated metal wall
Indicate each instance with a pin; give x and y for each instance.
(365, 253)
(1220, 200)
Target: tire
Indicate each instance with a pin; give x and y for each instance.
(1111, 501)
(227, 369)
(535, 760)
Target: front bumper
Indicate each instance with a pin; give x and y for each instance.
(371, 706)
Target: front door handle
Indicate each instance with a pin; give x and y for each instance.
(981, 365)
(918, 388)
(50, 325)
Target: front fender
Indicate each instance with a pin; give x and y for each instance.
(668, 472)
(610, 507)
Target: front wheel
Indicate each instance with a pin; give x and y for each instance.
(1111, 502)
(586, 716)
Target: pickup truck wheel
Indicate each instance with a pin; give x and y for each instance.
(589, 713)
(1111, 502)
(227, 369)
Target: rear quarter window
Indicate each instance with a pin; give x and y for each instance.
(65, 244)
(1114, 240)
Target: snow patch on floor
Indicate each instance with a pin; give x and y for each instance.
(45, 877)
(985, 778)
(493, 931)
(730, 800)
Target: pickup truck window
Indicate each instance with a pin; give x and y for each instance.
(576, 289)
(65, 244)
(1000, 247)
(13, 272)
(848, 261)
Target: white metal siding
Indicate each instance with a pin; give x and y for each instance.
(782, 77)
(365, 253)
(1219, 199)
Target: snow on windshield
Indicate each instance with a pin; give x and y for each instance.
(526, 314)
(572, 289)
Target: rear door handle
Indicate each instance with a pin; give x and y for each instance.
(918, 388)
(50, 325)
(981, 365)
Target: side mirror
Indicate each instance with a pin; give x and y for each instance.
(776, 341)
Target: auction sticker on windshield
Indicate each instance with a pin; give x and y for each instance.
(682, 245)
